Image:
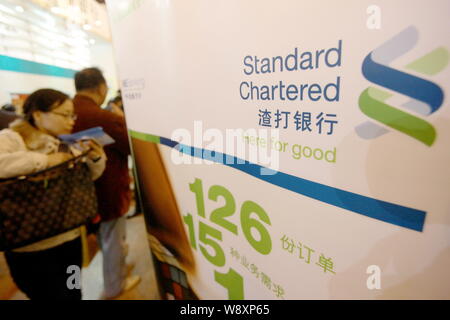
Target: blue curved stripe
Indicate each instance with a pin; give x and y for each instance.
(404, 83)
(392, 213)
(168, 142)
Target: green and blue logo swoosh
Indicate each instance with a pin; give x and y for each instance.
(425, 97)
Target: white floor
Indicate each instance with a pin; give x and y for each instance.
(139, 254)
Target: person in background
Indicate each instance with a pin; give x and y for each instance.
(113, 187)
(115, 105)
(7, 115)
(9, 107)
(30, 145)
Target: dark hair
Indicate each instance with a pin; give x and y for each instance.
(116, 99)
(42, 100)
(9, 107)
(89, 78)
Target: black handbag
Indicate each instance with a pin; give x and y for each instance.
(47, 203)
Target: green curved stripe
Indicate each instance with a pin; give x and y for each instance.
(395, 118)
(431, 63)
(144, 136)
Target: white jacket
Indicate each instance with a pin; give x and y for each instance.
(24, 150)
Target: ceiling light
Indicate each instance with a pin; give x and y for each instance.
(56, 10)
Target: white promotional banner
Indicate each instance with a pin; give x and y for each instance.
(303, 146)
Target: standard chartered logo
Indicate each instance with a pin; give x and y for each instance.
(424, 96)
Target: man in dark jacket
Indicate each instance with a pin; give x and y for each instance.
(113, 187)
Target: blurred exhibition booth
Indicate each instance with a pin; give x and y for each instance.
(43, 43)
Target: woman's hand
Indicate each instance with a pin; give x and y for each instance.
(96, 156)
(57, 158)
(96, 152)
